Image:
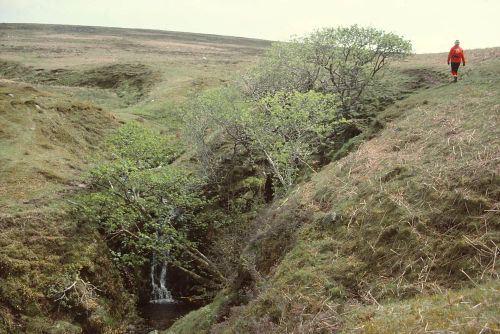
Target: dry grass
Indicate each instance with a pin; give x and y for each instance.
(419, 217)
(51, 46)
(472, 310)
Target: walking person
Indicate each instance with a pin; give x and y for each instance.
(456, 56)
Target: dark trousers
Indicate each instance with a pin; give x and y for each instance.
(454, 68)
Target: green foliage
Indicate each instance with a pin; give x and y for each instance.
(141, 147)
(281, 129)
(344, 61)
(142, 203)
(286, 127)
(211, 119)
(283, 68)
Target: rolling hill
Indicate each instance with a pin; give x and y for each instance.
(398, 234)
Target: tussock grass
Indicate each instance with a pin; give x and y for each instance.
(470, 310)
(41, 253)
(418, 209)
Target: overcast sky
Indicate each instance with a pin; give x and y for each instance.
(432, 25)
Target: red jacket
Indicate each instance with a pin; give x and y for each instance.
(456, 55)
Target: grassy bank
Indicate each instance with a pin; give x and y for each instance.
(63, 89)
(416, 223)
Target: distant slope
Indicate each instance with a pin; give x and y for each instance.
(417, 214)
(140, 33)
(155, 68)
(62, 44)
(130, 82)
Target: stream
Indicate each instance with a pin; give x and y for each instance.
(162, 316)
(162, 310)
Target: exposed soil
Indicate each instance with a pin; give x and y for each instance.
(424, 78)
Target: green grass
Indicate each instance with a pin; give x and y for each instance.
(201, 320)
(62, 90)
(471, 310)
(418, 219)
(44, 141)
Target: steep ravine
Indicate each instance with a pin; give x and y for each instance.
(380, 240)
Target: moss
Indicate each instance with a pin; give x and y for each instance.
(201, 320)
(41, 325)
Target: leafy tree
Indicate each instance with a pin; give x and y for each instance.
(343, 61)
(286, 127)
(144, 205)
(281, 129)
(285, 67)
(212, 119)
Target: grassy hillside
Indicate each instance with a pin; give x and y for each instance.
(63, 89)
(45, 140)
(414, 243)
(181, 63)
(412, 247)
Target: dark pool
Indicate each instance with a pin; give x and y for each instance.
(162, 316)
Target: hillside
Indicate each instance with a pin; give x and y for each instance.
(392, 227)
(112, 63)
(63, 90)
(399, 236)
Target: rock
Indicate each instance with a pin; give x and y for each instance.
(154, 332)
(329, 219)
(11, 95)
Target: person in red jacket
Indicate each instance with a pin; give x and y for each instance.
(456, 56)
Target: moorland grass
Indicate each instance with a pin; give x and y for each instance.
(418, 223)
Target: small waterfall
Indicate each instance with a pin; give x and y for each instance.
(160, 293)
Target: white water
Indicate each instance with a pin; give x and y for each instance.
(160, 293)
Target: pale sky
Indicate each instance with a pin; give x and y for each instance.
(431, 25)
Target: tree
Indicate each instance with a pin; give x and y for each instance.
(281, 129)
(212, 119)
(284, 68)
(342, 61)
(146, 206)
(286, 127)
